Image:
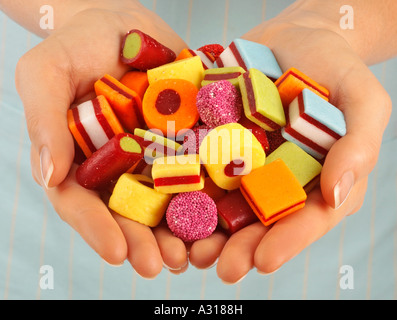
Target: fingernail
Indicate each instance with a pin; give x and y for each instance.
(343, 188)
(46, 165)
(113, 265)
(174, 269)
(267, 273)
(239, 280)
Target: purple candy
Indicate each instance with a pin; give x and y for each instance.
(192, 216)
(219, 103)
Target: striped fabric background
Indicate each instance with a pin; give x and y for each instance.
(33, 236)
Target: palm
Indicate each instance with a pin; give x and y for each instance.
(309, 51)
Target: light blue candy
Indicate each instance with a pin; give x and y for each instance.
(258, 56)
(324, 112)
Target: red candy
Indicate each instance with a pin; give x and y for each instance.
(214, 49)
(142, 52)
(234, 212)
(109, 162)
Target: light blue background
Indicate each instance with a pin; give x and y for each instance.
(32, 234)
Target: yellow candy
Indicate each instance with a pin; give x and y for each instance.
(134, 200)
(190, 69)
(230, 151)
(176, 174)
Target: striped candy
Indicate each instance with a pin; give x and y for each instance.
(293, 81)
(261, 100)
(206, 58)
(125, 102)
(313, 124)
(93, 123)
(248, 54)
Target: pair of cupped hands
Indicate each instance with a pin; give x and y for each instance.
(61, 71)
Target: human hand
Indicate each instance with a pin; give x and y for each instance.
(61, 71)
(303, 40)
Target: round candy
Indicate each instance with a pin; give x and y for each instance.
(219, 103)
(192, 216)
(170, 105)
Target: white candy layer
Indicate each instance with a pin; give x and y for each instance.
(307, 129)
(228, 58)
(207, 62)
(91, 125)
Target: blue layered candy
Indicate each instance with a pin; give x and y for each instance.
(313, 124)
(248, 54)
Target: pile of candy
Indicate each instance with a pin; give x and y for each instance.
(211, 137)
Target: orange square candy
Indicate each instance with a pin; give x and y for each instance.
(273, 191)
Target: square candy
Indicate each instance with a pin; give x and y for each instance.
(181, 173)
(249, 54)
(261, 100)
(305, 168)
(293, 81)
(273, 191)
(313, 124)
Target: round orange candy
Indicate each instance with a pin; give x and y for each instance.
(170, 104)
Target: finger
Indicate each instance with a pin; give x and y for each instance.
(86, 213)
(205, 252)
(143, 251)
(367, 111)
(290, 235)
(237, 257)
(46, 93)
(173, 250)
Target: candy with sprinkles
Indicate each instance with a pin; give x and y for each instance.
(219, 103)
(192, 216)
(92, 124)
(211, 137)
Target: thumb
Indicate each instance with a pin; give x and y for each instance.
(45, 91)
(367, 108)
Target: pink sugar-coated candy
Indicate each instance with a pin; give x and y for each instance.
(192, 216)
(219, 103)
